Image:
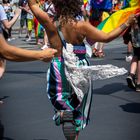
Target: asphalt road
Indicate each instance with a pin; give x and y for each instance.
(27, 112)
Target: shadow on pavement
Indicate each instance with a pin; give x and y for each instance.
(109, 89)
(2, 133)
(131, 107)
(26, 72)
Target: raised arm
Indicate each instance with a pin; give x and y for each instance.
(8, 24)
(99, 36)
(41, 15)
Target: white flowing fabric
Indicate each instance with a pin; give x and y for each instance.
(80, 76)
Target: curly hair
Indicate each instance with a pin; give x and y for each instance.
(67, 9)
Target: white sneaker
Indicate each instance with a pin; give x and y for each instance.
(44, 47)
(9, 39)
(13, 38)
(128, 58)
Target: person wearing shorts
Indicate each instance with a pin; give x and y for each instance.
(135, 63)
(23, 17)
(30, 24)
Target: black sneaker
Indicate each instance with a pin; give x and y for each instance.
(138, 87)
(68, 125)
(131, 81)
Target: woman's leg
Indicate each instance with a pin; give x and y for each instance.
(138, 77)
(131, 77)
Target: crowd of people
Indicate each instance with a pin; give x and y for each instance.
(63, 25)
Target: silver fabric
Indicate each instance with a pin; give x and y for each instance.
(80, 76)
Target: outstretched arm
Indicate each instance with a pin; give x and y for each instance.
(99, 36)
(13, 53)
(41, 15)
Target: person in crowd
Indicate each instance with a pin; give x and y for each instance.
(49, 8)
(23, 17)
(128, 41)
(135, 63)
(29, 23)
(38, 28)
(8, 9)
(96, 16)
(71, 111)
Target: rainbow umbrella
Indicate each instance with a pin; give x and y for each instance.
(120, 16)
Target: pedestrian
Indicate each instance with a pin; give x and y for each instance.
(38, 28)
(49, 8)
(133, 79)
(29, 23)
(128, 41)
(96, 16)
(23, 17)
(8, 9)
(66, 34)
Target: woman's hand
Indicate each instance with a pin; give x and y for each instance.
(47, 54)
(131, 20)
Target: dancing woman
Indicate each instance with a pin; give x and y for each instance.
(71, 109)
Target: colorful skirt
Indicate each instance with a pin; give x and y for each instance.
(63, 97)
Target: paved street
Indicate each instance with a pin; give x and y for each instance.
(27, 113)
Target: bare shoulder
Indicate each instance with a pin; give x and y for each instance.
(84, 26)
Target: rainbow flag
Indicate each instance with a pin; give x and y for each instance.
(120, 16)
(85, 2)
(39, 30)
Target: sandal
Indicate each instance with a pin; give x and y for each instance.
(98, 54)
(95, 52)
(101, 54)
(68, 125)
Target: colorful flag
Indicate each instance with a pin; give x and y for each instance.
(120, 16)
(39, 30)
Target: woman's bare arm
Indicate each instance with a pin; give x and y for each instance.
(99, 36)
(13, 53)
(8, 24)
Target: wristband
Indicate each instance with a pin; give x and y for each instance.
(123, 26)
